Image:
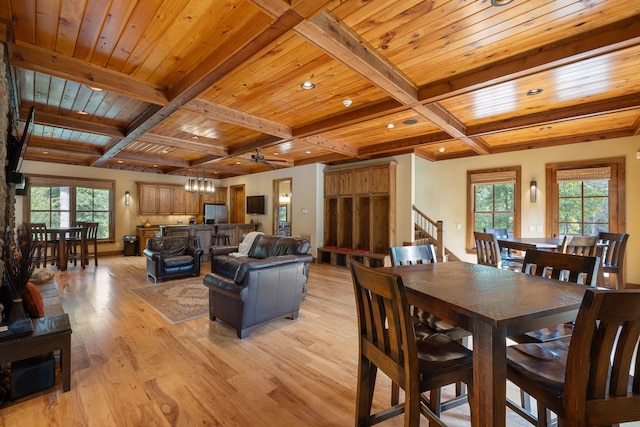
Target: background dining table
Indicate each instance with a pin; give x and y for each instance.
(493, 304)
(60, 234)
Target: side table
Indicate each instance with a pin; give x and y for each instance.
(50, 333)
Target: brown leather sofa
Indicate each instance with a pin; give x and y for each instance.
(252, 290)
(171, 258)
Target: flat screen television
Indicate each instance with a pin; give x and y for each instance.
(256, 205)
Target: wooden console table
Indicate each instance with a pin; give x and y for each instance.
(50, 333)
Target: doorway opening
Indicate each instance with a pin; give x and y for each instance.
(282, 202)
(236, 204)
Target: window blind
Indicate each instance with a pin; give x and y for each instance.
(584, 174)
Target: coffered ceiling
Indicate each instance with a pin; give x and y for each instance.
(195, 86)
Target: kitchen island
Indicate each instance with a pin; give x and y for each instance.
(235, 232)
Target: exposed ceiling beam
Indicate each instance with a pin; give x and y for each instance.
(405, 144)
(194, 145)
(56, 120)
(123, 155)
(329, 34)
(445, 121)
(237, 117)
(331, 145)
(69, 68)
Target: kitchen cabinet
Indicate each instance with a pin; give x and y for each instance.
(218, 197)
(166, 199)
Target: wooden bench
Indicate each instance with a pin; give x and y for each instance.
(337, 256)
(51, 333)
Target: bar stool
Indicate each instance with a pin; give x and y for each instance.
(221, 238)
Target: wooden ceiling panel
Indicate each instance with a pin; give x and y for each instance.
(591, 80)
(208, 82)
(376, 131)
(599, 127)
(194, 127)
(269, 85)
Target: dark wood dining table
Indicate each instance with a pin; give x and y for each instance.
(60, 234)
(524, 243)
(491, 303)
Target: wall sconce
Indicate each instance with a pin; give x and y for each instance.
(127, 198)
(534, 190)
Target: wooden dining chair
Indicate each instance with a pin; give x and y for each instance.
(580, 245)
(76, 245)
(39, 236)
(559, 266)
(425, 254)
(91, 239)
(587, 380)
(613, 248)
(509, 258)
(387, 341)
(488, 249)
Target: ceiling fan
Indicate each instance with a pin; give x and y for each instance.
(259, 158)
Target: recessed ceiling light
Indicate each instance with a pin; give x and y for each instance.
(95, 89)
(195, 137)
(390, 125)
(164, 151)
(155, 166)
(45, 152)
(545, 128)
(81, 112)
(307, 152)
(237, 163)
(500, 2)
(120, 161)
(276, 153)
(410, 122)
(307, 85)
(347, 102)
(441, 149)
(534, 92)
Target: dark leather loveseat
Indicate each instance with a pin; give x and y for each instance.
(267, 284)
(171, 258)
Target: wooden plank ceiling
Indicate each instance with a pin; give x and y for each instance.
(193, 86)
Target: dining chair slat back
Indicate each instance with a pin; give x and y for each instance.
(562, 266)
(614, 246)
(580, 245)
(387, 341)
(587, 380)
(487, 249)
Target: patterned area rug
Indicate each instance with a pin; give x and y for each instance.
(178, 300)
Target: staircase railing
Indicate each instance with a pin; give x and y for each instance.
(428, 231)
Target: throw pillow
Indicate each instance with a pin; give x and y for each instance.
(32, 300)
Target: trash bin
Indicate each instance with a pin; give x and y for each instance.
(130, 245)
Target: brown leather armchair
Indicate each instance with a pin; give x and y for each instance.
(266, 285)
(171, 258)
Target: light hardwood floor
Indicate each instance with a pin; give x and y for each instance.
(130, 367)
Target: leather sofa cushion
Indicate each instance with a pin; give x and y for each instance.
(168, 246)
(265, 246)
(226, 265)
(178, 261)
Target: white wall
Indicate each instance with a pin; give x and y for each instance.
(440, 189)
